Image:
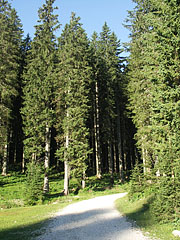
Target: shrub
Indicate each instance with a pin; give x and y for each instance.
(34, 183)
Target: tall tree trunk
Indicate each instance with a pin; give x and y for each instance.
(6, 155)
(5, 161)
(83, 180)
(119, 140)
(66, 164)
(97, 133)
(110, 157)
(111, 161)
(23, 164)
(47, 159)
(66, 178)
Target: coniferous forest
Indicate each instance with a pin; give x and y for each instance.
(74, 105)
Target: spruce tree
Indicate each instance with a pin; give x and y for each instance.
(38, 109)
(73, 91)
(154, 94)
(106, 77)
(96, 64)
(10, 54)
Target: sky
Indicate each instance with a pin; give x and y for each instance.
(93, 14)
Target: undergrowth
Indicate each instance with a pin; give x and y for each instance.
(139, 211)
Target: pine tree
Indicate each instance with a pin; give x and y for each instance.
(10, 54)
(73, 91)
(106, 78)
(38, 109)
(96, 64)
(154, 94)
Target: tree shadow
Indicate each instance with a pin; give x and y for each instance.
(89, 225)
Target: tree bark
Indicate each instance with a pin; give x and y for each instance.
(66, 178)
(66, 164)
(119, 145)
(5, 161)
(47, 159)
(97, 133)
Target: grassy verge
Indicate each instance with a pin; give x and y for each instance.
(139, 212)
(26, 222)
(23, 223)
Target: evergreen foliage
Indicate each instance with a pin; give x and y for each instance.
(154, 96)
(10, 54)
(73, 92)
(34, 183)
(107, 101)
(38, 109)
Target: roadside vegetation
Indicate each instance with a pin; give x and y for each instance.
(21, 221)
(139, 207)
(18, 220)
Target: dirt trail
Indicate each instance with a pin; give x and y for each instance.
(94, 219)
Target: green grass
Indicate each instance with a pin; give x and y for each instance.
(139, 212)
(24, 222)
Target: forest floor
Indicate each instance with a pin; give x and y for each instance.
(91, 219)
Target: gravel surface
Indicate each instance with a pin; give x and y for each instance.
(94, 219)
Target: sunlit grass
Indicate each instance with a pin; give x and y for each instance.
(139, 212)
(25, 222)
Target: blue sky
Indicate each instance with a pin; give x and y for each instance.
(93, 14)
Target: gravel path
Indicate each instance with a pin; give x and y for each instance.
(94, 219)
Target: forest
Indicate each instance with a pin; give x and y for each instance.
(74, 105)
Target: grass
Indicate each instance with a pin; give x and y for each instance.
(24, 222)
(139, 212)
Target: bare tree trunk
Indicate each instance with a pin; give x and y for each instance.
(111, 161)
(83, 180)
(66, 178)
(47, 159)
(66, 164)
(120, 155)
(110, 157)
(5, 161)
(23, 164)
(97, 133)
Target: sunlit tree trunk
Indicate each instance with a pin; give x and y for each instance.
(66, 164)
(120, 154)
(47, 158)
(97, 133)
(5, 161)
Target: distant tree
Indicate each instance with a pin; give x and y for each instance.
(73, 91)
(10, 54)
(38, 109)
(96, 64)
(107, 77)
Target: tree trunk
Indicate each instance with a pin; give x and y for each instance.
(66, 164)
(23, 164)
(66, 178)
(47, 159)
(97, 133)
(83, 180)
(111, 162)
(119, 140)
(5, 161)
(110, 158)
